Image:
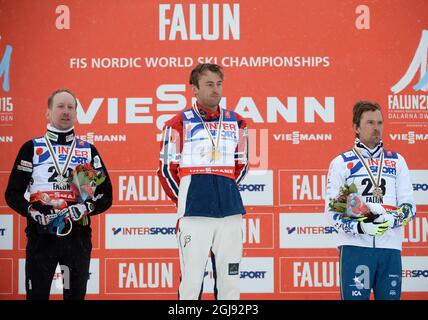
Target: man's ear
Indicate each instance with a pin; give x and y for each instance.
(194, 89)
(355, 128)
(47, 114)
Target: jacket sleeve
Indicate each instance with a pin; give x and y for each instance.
(19, 179)
(404, 193)
(169, 161)
(336, 178)
(103, 196)
(241, 152)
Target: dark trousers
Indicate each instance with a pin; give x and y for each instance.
(45, 251)
(363, 269)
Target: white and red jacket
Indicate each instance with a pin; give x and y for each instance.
(198, 184)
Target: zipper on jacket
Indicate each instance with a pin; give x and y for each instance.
(218, 194)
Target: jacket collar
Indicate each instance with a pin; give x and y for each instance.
(60, 136)
(206, 113)
(366, 151)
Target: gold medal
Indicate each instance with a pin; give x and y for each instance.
(215, 154)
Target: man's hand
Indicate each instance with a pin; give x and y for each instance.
(386, 217)
(395, 218)
(402, 215)
(376, 208)
(372, 228)
(76, 211)
(42, 213)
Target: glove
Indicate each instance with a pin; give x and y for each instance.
(402, 215)
(372, 228)
(376, 208)
(76, 211)
(396, 218)
(43, 214)
(386, 217)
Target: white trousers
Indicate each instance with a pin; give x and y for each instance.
(196, 237)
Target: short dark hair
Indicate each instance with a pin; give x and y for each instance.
(362, 106)
(53, 94)
(201, 68)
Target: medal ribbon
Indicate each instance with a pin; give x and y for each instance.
(220, 122)
(366, 166)
(55, 161)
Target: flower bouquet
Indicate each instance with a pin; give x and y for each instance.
(349, 203)
(84, 180)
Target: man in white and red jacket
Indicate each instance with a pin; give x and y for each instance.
(203, 158)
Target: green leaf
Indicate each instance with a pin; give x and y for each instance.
(353, 188)
(337, 207)
(99, 180)
(82, 178)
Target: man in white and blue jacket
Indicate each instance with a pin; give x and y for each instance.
(370, 249)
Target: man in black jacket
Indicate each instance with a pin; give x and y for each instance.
(58, 221)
